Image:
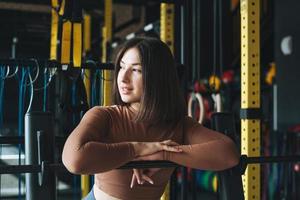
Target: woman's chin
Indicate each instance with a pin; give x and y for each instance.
(126, 100)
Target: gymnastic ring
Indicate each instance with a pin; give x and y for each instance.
(217, 102)
(198, 97)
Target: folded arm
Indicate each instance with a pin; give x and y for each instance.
(205, 149)
(85, 152)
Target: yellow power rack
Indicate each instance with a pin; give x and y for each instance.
(250, 94)
(167, 35)
(85, 179)
(107, 35)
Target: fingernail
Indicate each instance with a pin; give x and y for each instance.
(151, 182)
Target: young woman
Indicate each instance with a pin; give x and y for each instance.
(147, 122)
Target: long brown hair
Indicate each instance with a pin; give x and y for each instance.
(162, 101)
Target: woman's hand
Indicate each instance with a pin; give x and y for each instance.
(147, 148)
(161, 155)
(150, 151)
(141, 175)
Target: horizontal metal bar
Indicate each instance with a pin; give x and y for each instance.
(271, 159)
(251, 113)
(20, 169)
(59, 140)
(11, 139)
(15, 169)
(149, 164)
(26, 7)
(89, 64)
(146, 2)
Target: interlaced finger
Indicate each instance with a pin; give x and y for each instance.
(133, 180)
(138, 175)
(147, 178)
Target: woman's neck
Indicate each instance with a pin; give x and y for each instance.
(135, 107)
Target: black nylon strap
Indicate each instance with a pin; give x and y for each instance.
(250, 113)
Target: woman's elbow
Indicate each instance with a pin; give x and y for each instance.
(228, 163)
(232, 158)
(73, 164)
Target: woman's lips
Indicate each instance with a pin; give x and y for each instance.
(126, 90)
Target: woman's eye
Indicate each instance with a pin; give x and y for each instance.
(137, 70)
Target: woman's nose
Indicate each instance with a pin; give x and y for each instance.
(125, 76)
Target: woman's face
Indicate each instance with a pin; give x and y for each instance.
(130, 83)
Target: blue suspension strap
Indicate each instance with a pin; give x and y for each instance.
(74, 120)
(25, 73)
(93, 85)
(22, 91)
(2, 77)
(96, 91)
(4, 74)
(45, 91)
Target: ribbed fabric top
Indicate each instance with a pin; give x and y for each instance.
(102, 142)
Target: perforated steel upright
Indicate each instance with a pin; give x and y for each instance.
(107, 35)
(250, 93)
(167, 24)
(85, 179)
(167, 35)
(54, 30)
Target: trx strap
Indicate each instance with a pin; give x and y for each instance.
(72, 19)
(54, 30)
(77, 33)
(87, 33)
(66, 9)
(86, 50)
(61, 11)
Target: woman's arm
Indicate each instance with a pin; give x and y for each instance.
(85, 152)
(205, 149)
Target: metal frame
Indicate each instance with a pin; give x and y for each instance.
(20, 63)
(107, 36)
(167, 15)
(250, 93)
(85, 179)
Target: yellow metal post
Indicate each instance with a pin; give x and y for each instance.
(167, 36)
(77, 44)
(66, 42)
(250, 93)
(54, 30)
(85, 179)
(167, 24)
(107, 35)
(66, 35)
(86, 50)
(86, 33)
